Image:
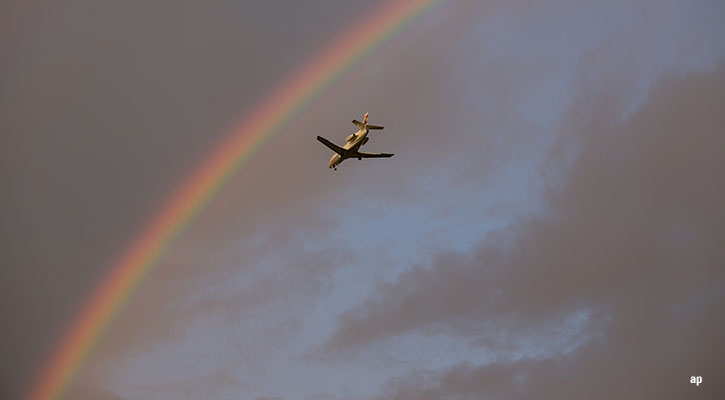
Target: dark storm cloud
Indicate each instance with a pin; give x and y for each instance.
(630, 238)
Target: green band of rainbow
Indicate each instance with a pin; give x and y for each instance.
(267, 120)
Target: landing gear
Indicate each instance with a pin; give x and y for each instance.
(359, 158)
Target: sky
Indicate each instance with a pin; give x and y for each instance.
(550, 227)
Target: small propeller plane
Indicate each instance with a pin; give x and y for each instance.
(351, 149)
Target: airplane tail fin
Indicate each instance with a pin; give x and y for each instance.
(375, 127)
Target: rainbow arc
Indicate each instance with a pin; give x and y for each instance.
(268, 119)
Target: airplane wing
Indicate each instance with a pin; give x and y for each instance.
(372, 155)
(337, 149)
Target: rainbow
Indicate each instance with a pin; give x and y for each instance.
(268, 119)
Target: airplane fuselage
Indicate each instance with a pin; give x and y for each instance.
(351, 147)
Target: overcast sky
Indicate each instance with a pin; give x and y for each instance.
(551, 225)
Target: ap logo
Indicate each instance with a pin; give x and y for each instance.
(697, 380)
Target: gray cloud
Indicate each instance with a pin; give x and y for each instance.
(632, 236)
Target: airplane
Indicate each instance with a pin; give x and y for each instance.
(351, 149)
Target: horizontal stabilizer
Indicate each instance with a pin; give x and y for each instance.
(332, 146)
(360, 125)
(373, 155)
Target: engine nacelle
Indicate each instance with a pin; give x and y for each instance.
(351, 138)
